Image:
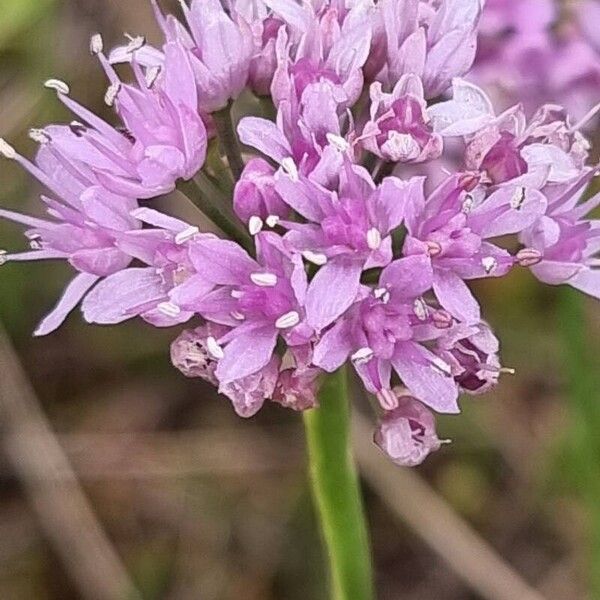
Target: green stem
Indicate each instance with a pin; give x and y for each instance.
(215, 206)
(336, 492)
(229, 141)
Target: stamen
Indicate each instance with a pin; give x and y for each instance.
(420, 309)
(152, 74)
(442, 319)
(238, 316)
(507, 370)
(387, 399)
(96, 44)
(373, 238)
(316, 258)
(264, 279)
(529, 257)
(135, 43)
(467, 205)
(433, 249)
(441, 365)
(7, 150)
(169, 309)
(272, 220)
(77, 128)
(60, 87)
(518, 198)
(489, 264)
(39, 136)
(187, 234)
(338, 142)
(214, 348)
(290, 168)
(382, 294)
(362, 356)
(288, 320)
(237, 294)
(255, 224)
(111, 93)
(3, 257)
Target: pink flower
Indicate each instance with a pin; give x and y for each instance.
(407, 433)
(219, 49)
(84, 226)
(164, 139)
(435, 44)
(566, 242)
(399, 128)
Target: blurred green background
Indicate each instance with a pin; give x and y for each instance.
(200, 504)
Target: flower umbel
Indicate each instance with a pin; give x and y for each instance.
(384, 182)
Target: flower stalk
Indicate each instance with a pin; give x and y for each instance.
(228, 138)
(214, 204)
(336, 492)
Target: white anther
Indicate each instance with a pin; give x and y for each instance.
(39, 136)
(3, 257)
(238, 316)
(264, 279)
(58, 86)
(373, 238)
(237, 294)
(169, 309)
(290, 168)
(441, 365)
(362, 355)
(214, 348)
(401, 146)
(467, 205)
(135, 43)
(338, 142)
(7, 150)
(433, 248)
(288, 320)
(489, 264)
(382, 294)
(111, 93)
(420, 309)
(77, 128)
(35, 245)
(187, 234)
(272, 220)
(316, 258)
(152, 74)
(255, 224)
(507, 370)
(518, 198)
(96, 44)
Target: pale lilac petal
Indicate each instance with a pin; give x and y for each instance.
(455, 296)
(416, 368)
(221, 261)
(265, 136)
(333, 289)
(333, 349)
(71, 297)
(246, 353)
(116, 298)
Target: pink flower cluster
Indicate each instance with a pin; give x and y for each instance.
(537, 51)
(363, 241)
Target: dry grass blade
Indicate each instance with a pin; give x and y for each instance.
(417, 505)
(61, 506)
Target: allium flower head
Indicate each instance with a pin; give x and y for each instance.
(351, 223)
